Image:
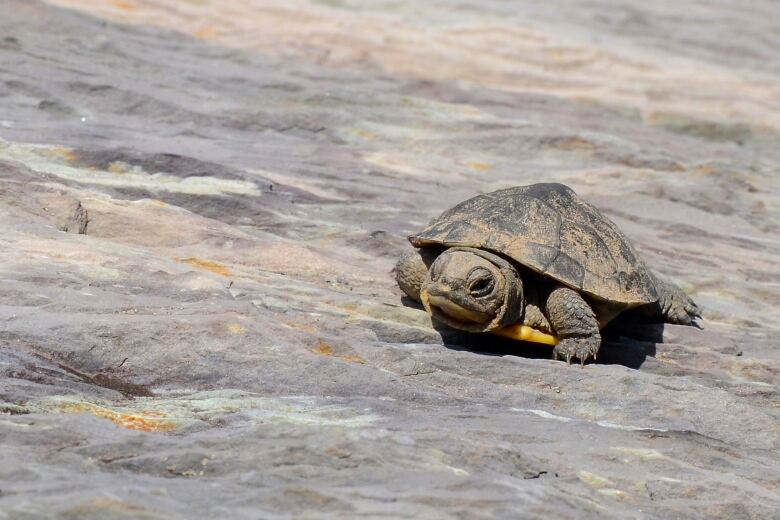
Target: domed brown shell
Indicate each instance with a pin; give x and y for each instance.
(549, 229)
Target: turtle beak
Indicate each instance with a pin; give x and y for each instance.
(438, 289)
(438, 298)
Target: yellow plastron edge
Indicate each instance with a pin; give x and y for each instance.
(526, 333)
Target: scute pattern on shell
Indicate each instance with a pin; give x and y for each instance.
(549, 229)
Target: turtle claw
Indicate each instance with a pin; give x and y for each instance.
(684, 313)
(582, 348)
(676, 306)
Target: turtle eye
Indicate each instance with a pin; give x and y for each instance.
(481, 282)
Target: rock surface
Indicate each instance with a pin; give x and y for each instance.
(201, 203)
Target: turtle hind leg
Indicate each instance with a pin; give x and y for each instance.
(412, 269)
(575, 325)
(673, 305)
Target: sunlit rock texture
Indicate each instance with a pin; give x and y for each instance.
(201, 203)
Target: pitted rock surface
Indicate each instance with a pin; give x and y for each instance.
(201, 204)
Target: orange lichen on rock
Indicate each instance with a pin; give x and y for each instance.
(324, 349)
(214, 267)
(222, 328)
(207, 33)
(60, 152)
(146, 422)
(125, 6)
(353, 359)
(574, 143)
(479, 166)
(297, 325)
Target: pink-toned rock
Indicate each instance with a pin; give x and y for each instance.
(201, 203)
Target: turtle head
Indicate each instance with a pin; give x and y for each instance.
(473, 290)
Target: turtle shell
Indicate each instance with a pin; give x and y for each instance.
(549, 229)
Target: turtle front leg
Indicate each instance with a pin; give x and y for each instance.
(575, 325)
(412, 270)
(674, 306)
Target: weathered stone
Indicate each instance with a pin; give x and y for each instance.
(227, 340)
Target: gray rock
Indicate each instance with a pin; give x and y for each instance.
(198, 223)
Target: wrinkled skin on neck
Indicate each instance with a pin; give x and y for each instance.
(472, 290)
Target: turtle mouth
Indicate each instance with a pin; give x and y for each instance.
(448, 311)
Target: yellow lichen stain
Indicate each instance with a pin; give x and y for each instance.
(214, 267)
(350, 306)
(236, 328)
(479, 166)
(60, 152)
(159, 202)
(593, 480)
(145, 421)
(602, 485)
(118, 167)
(663, 357)
(640, 453)
(614, 493)
(222, 328)
(364, 134)
(300, 326)
(324, 349)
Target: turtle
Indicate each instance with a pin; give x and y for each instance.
(534, 263)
